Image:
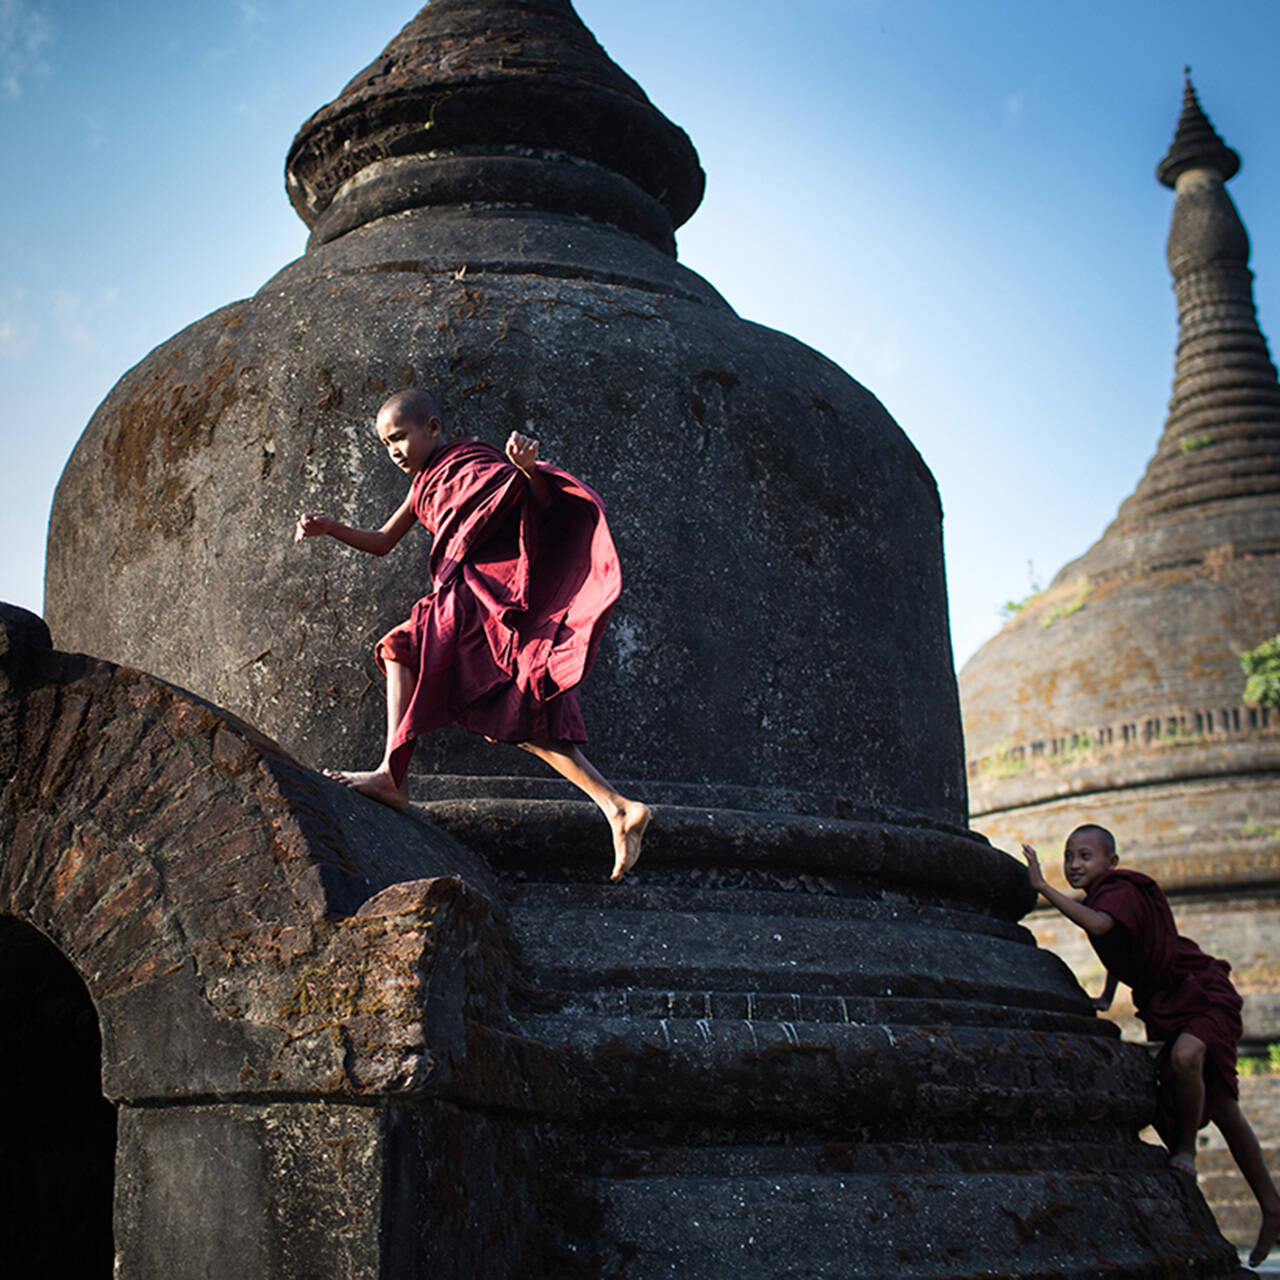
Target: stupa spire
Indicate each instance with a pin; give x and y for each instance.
(494, 102)
(1221, 438)
(1195, 142)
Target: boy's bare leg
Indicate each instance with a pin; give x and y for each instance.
(1187, 1060)
(380, 783)
(1247, 1153)
(627, 818)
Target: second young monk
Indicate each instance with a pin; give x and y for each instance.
(524, 575)
(1183, 996)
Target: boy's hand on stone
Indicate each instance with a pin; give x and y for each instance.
(311, 525)
(522, 451)
(1034, 874)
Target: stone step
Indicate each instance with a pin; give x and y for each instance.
(848, 1225)
(878, 1079)
(577, 949)
(613, 1154)
(800, 902)
(793, 1006)
(567, 842)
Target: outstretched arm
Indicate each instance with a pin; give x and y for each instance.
(523, 453)
(376, 541)
(1094, 923)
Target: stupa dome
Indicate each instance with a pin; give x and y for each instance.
(493, 204)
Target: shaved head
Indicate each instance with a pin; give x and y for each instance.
(411, 404)
(1107, 840)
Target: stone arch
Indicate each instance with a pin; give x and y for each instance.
(273, 964)
(58, 1154)
(203, 883)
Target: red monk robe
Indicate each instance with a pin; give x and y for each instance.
(1176, 986)
(520, 600)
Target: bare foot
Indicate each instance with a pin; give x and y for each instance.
(1268, 1233)
(1183, 1162)
(377, 784)
(629, 825)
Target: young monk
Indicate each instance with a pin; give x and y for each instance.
(1184, 997)
(524, 576)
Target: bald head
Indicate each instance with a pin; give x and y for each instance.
(1104, 837)
(412, 405)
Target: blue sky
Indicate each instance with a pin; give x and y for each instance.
(954, 199)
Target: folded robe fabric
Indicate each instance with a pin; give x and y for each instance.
(519, 602)
(1176, 986)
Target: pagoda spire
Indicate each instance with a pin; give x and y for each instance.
(504, 103)
(1221, 438)
(1195, 144)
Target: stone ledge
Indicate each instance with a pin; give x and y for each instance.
(521, 837)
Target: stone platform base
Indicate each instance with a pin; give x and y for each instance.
(799, 1047)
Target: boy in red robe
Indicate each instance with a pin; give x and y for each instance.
(524, 575)
(1183, 996)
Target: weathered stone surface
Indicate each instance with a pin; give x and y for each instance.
(282, 931)
(298, 1190)
(762, 1078)
(753, 1224)
(273, 959)
(24, 653)
(289, 1191)
(767, 508)
(492, 101)
(955, 869)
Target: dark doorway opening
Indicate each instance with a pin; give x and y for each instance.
(57, 1131)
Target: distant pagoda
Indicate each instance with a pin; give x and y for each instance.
(1115, 696)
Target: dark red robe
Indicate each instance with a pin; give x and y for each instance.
(519, 602)
(1176, 986)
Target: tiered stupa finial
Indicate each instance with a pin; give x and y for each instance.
(496, 102)
(1195, 144)
(1222, 435)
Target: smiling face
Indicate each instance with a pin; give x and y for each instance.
(409, 443)
(1086, 857)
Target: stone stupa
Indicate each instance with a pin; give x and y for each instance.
(809, 1037)
(1115, 696)
(493, 204)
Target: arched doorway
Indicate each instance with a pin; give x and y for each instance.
(57, 1131)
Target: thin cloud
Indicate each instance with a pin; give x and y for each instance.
(889, 357)
(76, 317)
(1014, 105)
(878, 358)
(25, 32)
(252, 21)
(252, 15)
(16, 337)
(17, 331)
(95, 128)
